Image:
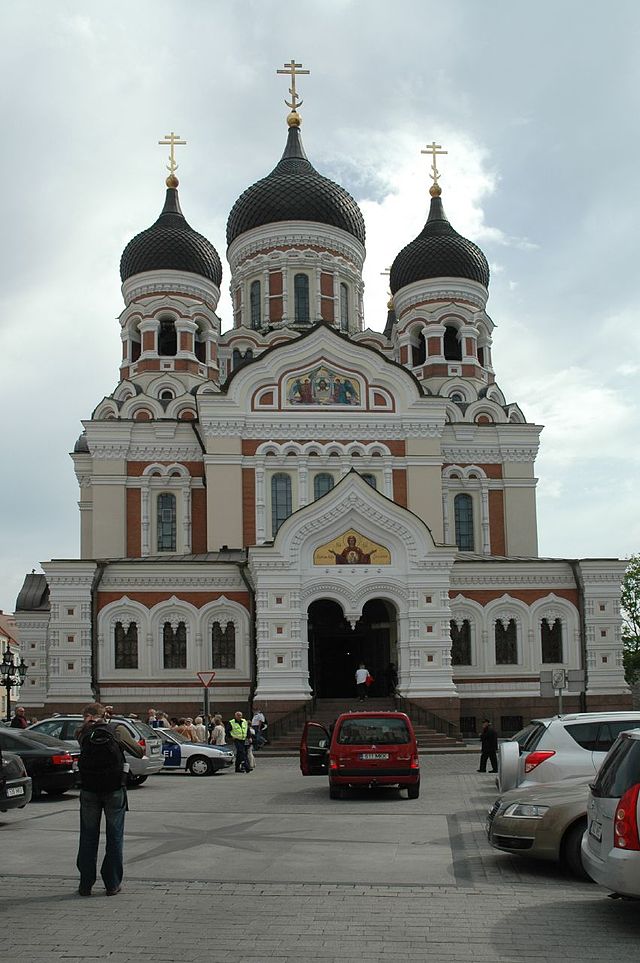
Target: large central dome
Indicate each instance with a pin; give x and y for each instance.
(295, 191)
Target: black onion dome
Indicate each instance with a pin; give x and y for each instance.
(171, 245)
(295, 191)
(82, 445)
(438, 252)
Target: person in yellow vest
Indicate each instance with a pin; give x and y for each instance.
(239, 732)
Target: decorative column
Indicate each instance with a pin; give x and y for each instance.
(486, 540)
(445, 514)
(261, 510)
(145, 521)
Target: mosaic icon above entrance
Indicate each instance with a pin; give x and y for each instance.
(323, 386)
(352, 548)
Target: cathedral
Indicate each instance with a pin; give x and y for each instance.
(298, 494)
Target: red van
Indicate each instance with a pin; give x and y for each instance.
(365, 749)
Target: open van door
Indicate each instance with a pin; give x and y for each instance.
(314, 750)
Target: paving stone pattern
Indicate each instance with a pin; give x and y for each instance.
(493, 908)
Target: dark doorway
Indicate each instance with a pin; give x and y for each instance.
(336, 650)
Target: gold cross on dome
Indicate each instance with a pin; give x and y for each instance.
(292, 70)
(171, 140)
(435, 150)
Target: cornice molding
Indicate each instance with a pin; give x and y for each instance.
(294, 430)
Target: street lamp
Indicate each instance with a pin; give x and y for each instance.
(12, 676)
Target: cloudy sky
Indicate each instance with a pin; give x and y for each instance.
(537, 105)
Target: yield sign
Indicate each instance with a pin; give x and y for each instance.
(206, 678)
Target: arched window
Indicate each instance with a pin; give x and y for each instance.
(223, 646)
(254, 302)
(481, 356)
(200, 349)
(452, 345)
(280, 500)
(551, 639)
(301, 297)
(136, 348)
(370, 479)
(166, 394)
(463, 514)
(322, 484)
(344, 307)
(174, 644)
(166, 524)
(419, 351)
(506, 640)
(126, 646)
(238, 358)
(460, 642)
(167, 338)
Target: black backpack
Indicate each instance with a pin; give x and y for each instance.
(101, 762)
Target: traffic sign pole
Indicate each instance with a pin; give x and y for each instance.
(206, 678)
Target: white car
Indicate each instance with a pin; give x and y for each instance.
(570, 745)
(611, 844)
(197, 758)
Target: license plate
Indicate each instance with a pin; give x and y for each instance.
(374, 755)
(74, 765)
(15, 791)
(155, 750)
(595, 830)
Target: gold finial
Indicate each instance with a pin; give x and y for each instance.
(293, 70)
(434, 149)
(387, 273)
(170, 140)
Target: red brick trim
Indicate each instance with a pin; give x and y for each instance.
(134, 526)
(496, 523)
(248, 506)
(152, 598)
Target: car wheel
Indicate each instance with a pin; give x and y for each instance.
(199, 766)
(133, 781)
(335, 792)
(571, 853)
(413, 791)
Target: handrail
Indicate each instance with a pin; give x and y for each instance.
(427, 718)
(297, 717)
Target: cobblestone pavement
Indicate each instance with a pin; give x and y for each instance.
(266, 868)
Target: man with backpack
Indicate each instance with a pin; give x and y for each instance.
(103, 774)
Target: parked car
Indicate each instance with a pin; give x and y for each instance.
(197, 758)
(366, 749)
(51, 763)
(15, 784)
(545, 821)
(611, 845)
(66, 727)
(550, 749)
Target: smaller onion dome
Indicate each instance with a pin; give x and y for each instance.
(171, 245)
(82, 445)
(438, 252)
(295, 191)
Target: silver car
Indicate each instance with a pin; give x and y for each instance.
(66, 727)
(611, 844)
(547, 750)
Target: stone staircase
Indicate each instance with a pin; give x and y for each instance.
(287, 742)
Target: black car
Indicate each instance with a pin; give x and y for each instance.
(15, 784)
(52, 765)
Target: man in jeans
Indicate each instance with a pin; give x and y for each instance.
(239, 732)
(103, 775)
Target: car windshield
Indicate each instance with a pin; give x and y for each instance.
(620, 770)
(175, 737)
(365, 732)
(42, 739)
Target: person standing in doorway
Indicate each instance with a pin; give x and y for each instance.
(239, 731)
(103, 777)
(362, 674)
(489, 744)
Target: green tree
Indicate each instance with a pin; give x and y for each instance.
(630, 603)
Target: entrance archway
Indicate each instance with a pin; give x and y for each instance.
(336, 650)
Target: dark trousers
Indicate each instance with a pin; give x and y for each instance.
(362, 690)
(491, 755)
(242, 762)
(92, 805)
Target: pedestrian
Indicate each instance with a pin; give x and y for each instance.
(108, 712)
(103, 771)
(200, 730)
(19, 720)
(163, 722)
(152, 718)
(258, 724)
(489, 743)
(217, 737)
(239, 730)
(251, 744)
(184, 729)
(362, 674)
(391, 676)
